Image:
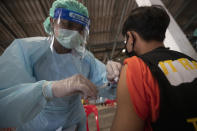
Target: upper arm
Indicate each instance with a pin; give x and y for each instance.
(126, 118)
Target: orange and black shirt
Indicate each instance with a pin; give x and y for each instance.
(163, 89)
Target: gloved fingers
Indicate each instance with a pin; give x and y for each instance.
(119, 66)
(91, 87)
(109, 67)
(116, 72)
(83, 94)
(110, 77)
(75, 84)
(87, 92)
(88, 84)
(110, 71)
(116, 68)
(113, 68)
(88, 97)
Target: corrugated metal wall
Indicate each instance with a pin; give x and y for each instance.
(24, 18)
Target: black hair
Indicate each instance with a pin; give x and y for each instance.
(150, 22)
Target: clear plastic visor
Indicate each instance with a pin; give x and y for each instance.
(70, 20)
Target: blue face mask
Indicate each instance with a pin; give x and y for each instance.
(69, 38)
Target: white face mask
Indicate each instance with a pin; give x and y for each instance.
(69, 38)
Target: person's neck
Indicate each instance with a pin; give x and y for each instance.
(151, 46)
(60, 49)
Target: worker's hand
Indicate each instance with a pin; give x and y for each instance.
(74, 84)
(113, 70)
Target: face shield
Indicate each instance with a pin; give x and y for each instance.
(71, 29)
